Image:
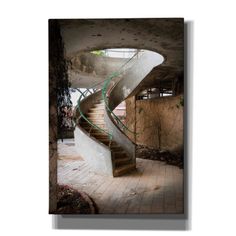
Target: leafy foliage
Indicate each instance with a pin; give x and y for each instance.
(58, 74)
(99, 52)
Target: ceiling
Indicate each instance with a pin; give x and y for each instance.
(162, 35)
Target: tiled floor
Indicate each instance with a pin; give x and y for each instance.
(153, 188)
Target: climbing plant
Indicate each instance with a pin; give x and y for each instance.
(99, 52)
(59, 75)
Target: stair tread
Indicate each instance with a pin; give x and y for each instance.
(99, 105)
(121, 151)
(97, 109)
(124, 159)
(96, 113)
(96, 117)
(98, 134)
(115, 148)
(121, 156)
(97, 123)
(115, 145)
(100, 125)
(96, 131)
(92, 118)
(88, 128)
(124, 169)
(104, 139)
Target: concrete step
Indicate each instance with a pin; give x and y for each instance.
(116, 148)
(124, 169)
(119, 154)
(97, 131)
(98, 105)
(98, 134)
(99, 124)
(96, 119)
(97, 109)
(96, 112)
(96, 122)
(104, 139)
(94, 130)
(102, 126)
(96, 116)
(87, 127)
(122, 161)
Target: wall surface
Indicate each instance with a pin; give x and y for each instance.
(55, 54)
(87, 69)
(157, 122)
(163, 35)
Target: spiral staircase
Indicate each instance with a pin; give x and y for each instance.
(100, 136)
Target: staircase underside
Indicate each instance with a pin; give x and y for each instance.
(122, 163)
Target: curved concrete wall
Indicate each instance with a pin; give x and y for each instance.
(119, 137)
(122, 90)
(133, 78)
(163, 35)
(99, 156)
(87, 69)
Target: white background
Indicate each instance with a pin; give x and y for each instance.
(24, 109)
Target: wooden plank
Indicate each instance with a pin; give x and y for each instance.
(146, 195)
(158, 197)
(154, 188)
(112, 194)
(128, 193)
(169, 194)
(134, 205)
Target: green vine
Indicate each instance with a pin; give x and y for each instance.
(181, 102)
(59, 73)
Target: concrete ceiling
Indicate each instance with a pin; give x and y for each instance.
(165, 36)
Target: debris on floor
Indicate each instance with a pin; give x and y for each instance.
(71, 201)
(175, 159)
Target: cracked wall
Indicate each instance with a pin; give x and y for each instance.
(157, 122)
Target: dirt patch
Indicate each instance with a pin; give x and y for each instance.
(169, 158)
(70, 144)
(70, 158)
(71, 201)
(139, 191)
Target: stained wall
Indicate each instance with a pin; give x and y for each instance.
(158, 123)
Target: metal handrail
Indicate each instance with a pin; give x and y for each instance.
(104, 91)
(89, 121)
(83, 95)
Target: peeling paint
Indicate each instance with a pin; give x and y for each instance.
(126, 91)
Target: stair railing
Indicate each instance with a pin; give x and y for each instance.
(104, 97)
(83, 95)
(105, 94)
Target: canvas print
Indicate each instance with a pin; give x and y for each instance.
(116, 109)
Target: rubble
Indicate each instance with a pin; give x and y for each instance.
(170, 158)
(71, 201)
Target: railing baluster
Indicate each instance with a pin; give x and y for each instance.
(104, 91)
